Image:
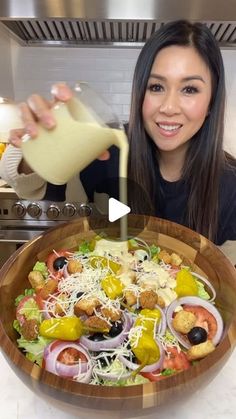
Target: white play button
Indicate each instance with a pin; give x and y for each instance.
(116, 210)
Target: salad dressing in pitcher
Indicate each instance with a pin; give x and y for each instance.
(79, 137)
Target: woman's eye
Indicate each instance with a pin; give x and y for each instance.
(155, 87)
(190, 90)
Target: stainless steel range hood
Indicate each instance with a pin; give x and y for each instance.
(122, 23)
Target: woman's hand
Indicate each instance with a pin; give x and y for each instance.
(37, 110)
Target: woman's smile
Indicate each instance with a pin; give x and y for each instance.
(169, 129)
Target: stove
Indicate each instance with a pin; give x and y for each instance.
(21, 220)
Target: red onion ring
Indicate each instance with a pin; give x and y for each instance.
(148, 368)
(86, 377)
(45, 312)
(162, 325)
(194, 301)
(65, 271)
(57, 367)
(109, 343)
(205, 281)
(47, 349)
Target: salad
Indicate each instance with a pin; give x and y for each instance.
(116, 313)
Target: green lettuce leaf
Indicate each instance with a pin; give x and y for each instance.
(31, 310)
(16, 326)
(138, 379)
(28, 291)
(202, 293)
(118, 368)
(34, 349)
(84, 247)
(41, 267)
(168, 371)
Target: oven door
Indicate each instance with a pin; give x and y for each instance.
(12, 239)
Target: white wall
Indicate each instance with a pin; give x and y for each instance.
(109, 71)
(6, 82)
(229, 57)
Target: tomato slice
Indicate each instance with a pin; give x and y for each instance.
(153, 376)
(20, 317)
(205, 319)
(68, 356)
(50, 260)
(175, 360)
(39, 300)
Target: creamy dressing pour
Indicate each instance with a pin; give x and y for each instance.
(79, 137)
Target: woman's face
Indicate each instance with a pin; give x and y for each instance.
(177, 98)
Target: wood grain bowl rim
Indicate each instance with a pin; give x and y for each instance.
(222, 351)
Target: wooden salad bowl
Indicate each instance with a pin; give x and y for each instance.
(206, 259)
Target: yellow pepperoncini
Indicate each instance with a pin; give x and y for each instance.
(185, 284)
(65, 328)
(148, 319)
(97, 261)
(112, 287)
(146, 351)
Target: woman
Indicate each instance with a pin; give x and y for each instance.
(175, 133)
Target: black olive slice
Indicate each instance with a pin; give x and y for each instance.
(59, 262)
(197, 335)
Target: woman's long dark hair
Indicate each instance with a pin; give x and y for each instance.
(205, 157)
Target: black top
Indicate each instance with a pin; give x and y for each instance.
(174, 195)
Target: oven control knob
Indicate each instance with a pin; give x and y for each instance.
(85, 210)
(19, 209)
(53, 212)
(69, 210)
(34, 210)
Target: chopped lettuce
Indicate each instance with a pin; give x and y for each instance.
(168, 371)
(154, 250)
(170, 340)
(132, 381)
(16, 326)
(34, 349)
(117, 368)
(27, 292)
(31, 310)
(41, 267)
(202, 293)
(84, 247)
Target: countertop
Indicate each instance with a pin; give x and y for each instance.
(216, 401)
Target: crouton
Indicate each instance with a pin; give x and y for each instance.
(74, 266)
(165, 256)
(175, 259)
(111, 314)
(30, 329)
(160, 301)
(36, 280)
(61, 304)
(184, 321)
(130, 298)
(97, 323)
(48, 288)
(148, 299)
(200, 351)
(86, 306)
